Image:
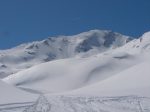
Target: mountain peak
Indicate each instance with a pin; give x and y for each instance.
(146, 35)
(83, 45)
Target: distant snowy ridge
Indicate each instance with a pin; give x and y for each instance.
(140, 45)
(81, 45)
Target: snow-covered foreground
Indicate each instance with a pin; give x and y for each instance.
(97, 104)
(13, 99)
(15, 107)
(10, 95)
(50, 103)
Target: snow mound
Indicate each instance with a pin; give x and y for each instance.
(132, 81)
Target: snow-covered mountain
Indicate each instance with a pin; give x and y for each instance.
(100, 71)
(100, 78)
(84, 44)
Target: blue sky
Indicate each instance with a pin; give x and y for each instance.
(27, 20)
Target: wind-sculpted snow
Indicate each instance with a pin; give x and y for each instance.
(90, 104)
(69, 74)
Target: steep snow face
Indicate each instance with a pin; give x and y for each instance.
(10, 94)
(84, 44)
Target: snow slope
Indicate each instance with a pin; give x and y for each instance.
(68, 74)
(84, 44)
(133, 81)
(10, 94)
(138, 46)
(126, 66)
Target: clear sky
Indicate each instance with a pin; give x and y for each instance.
(27, 20)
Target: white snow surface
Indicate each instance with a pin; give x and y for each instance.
(10, 94)
(68, 74)
(90, 104)
(49, 103)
